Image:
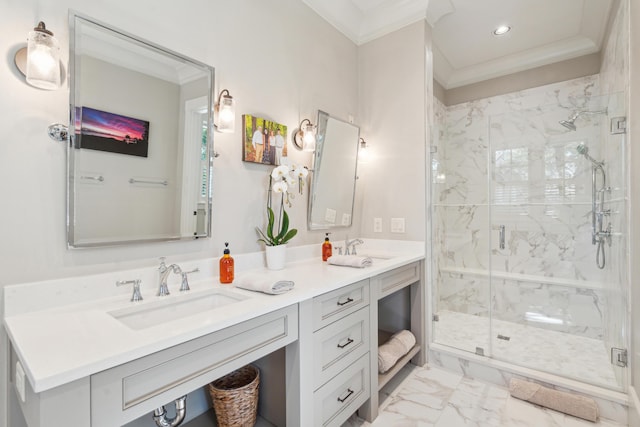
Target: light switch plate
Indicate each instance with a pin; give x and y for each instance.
(397, 225)
(377, 225)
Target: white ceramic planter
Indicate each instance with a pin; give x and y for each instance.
(276, 256)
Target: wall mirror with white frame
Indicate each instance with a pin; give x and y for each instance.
(333, 184)
(140, 147)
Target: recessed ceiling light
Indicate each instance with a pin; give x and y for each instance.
(502, 29)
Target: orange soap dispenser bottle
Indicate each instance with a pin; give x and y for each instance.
(226, 266)
(326, 248)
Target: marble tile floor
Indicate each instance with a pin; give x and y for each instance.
(433, 397)
(572, 356)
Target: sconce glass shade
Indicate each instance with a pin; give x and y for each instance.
(225, 119)
(305, 137)
(363, 151)
(308, 138)
(43, 59)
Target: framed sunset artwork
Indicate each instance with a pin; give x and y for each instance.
(104, 131)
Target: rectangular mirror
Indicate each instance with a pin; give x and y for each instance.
(333, 185)
(140, 151)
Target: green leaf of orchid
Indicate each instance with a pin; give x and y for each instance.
(290, 235)
(271, 217)
(285, 225)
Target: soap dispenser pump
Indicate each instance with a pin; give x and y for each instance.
(326, 248)
(226, 266)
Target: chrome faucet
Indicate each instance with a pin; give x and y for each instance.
(165, 270)
(353, 243)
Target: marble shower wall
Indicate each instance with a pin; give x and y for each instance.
(507, 161)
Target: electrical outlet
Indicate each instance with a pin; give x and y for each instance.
(377, 225)
(330, 216)
(397, 225)
(20, 382)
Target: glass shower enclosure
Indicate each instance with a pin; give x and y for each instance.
(529, 234)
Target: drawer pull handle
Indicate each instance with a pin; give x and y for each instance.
(349, 341)
(341, 303)
(350, 392)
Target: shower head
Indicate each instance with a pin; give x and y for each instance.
(584, 150)
(570, 122)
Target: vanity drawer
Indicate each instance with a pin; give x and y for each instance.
(398, 278)
(343, 395)
(340, 344)
(128, 391)
(334, 305)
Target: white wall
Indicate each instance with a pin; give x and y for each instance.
(393, 105)
(278, 59)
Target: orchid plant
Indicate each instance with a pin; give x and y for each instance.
(282, 179)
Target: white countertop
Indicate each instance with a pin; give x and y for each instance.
(61, 330)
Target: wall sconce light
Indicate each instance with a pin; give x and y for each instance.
(225, 113)
(40, 60)
(305, 138)
(363, 151)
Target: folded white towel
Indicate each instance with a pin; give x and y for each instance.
(350, 261)
(264, 283)
(398, 345)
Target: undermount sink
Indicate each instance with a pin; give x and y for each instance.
(170, 309)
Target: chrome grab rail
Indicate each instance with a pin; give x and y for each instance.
(143, 181)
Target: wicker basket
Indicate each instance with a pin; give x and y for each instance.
(235, 397)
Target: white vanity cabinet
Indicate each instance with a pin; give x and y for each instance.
(327, 328)
(123, 393)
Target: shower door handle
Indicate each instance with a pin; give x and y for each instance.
(501, 237)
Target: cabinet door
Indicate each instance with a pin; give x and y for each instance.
(342, 396)
(128, 391)
(338, 345)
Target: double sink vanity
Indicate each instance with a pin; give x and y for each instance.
(82, 352)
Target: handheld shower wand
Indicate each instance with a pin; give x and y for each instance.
(598, 234)
(584, 150)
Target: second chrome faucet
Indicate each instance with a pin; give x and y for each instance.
(164, 271)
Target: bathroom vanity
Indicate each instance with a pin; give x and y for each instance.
(82, 352)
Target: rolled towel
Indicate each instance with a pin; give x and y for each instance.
(264, 283)
(572, 404)
(398, 345)
(350, 261)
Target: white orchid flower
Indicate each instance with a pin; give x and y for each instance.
(290, 180)
(280, 186)
(301, 172)
(280, 172)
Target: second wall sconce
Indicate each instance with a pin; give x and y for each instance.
(225, 113)
(305, 137)
(363, 151)
(40, 60)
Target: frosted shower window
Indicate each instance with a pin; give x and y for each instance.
(560, 169)
(511, 175)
